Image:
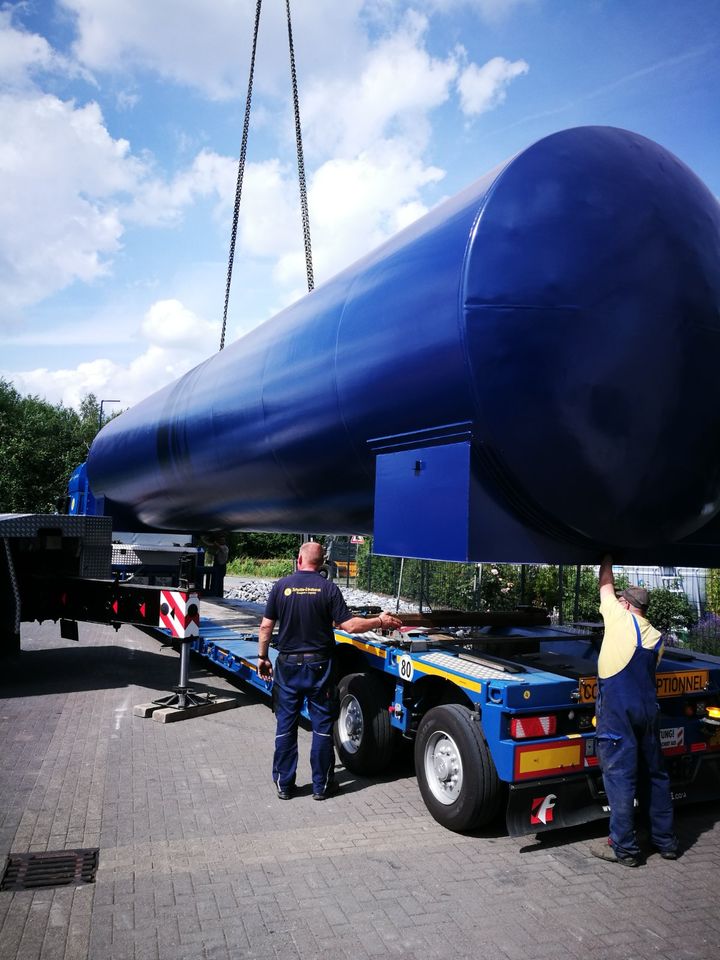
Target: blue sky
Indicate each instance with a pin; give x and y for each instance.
(121, 123)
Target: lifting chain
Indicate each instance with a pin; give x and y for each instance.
(243, 155)
(241, 172)
(301, 162)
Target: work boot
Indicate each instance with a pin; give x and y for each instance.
(604, 850)
(669, 853)
(330, 790)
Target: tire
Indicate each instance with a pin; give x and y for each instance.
(364, 739)
(456, 775)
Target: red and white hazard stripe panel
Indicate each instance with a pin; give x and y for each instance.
(533, 727)
(179, 613)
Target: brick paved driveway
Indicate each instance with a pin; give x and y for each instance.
(199, 859)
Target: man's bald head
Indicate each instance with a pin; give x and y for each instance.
(311, 556)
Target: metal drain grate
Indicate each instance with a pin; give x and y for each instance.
(54, 868)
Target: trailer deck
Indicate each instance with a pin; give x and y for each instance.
(512, 707)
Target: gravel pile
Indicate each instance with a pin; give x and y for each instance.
(247, 589)
(256, 590)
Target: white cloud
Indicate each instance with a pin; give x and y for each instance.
(127, 99)
(24, 55)
(355, 204)
(483, 88)
(168, 322)
(161, 202)
(394, 90)
(60, 172)
(207, 47)
(358, 203)
(69, 190)
(177, 340)
(270, 209)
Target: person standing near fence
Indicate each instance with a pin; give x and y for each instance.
(306, 606)
(628, 726)
(219, 567)
(216, 549)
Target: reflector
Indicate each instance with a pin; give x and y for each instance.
(524, 728)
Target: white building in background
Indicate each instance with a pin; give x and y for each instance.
(688, 580)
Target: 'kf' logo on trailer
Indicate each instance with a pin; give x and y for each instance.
(541, 810)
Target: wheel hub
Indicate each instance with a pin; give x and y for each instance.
(351, 723)
(443, 767)
(443, 763)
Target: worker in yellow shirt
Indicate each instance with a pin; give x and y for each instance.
(628, 725)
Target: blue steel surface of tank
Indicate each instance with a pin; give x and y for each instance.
(565, 307)
(80, 498)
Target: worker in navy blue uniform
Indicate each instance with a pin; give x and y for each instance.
(307, 606)
(628, 725)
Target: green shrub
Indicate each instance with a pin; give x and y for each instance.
(669, 611)
(712, 590)
(252, 567)
(376, 573)
(704, 636)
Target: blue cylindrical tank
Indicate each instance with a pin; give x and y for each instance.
(566, 307)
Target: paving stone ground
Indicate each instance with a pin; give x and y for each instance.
(200, 861)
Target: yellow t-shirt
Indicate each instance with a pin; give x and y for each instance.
(620, 639)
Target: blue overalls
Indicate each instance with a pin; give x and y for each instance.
(628, 744)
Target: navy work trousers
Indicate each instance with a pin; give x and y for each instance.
(293, 683)
(630, 754)
(632, 767)
(631, 759)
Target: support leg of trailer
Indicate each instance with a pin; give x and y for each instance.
(183, 695)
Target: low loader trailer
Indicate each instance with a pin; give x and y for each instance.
(499, 706)
(501, 711)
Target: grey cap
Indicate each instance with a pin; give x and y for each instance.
(636, 596)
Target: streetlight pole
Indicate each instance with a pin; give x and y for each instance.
(102, 403)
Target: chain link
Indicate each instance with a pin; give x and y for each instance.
(241, 173)
(13, 582)
(241, 165)
(301, 163)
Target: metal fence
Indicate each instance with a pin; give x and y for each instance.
(684, 600)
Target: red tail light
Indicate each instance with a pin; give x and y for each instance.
(532, 728)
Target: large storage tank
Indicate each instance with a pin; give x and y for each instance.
(529, 372)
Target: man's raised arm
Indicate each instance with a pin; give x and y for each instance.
(606, 578)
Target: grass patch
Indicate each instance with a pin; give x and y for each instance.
(251, 567)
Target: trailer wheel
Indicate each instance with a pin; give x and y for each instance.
(364, 738)
(456, 775)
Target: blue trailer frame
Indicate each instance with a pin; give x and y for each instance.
(512, 730)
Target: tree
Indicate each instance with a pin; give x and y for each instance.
(712, 589)
(264, 546)
(40, 446)
(90, 418)
(669, 611)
